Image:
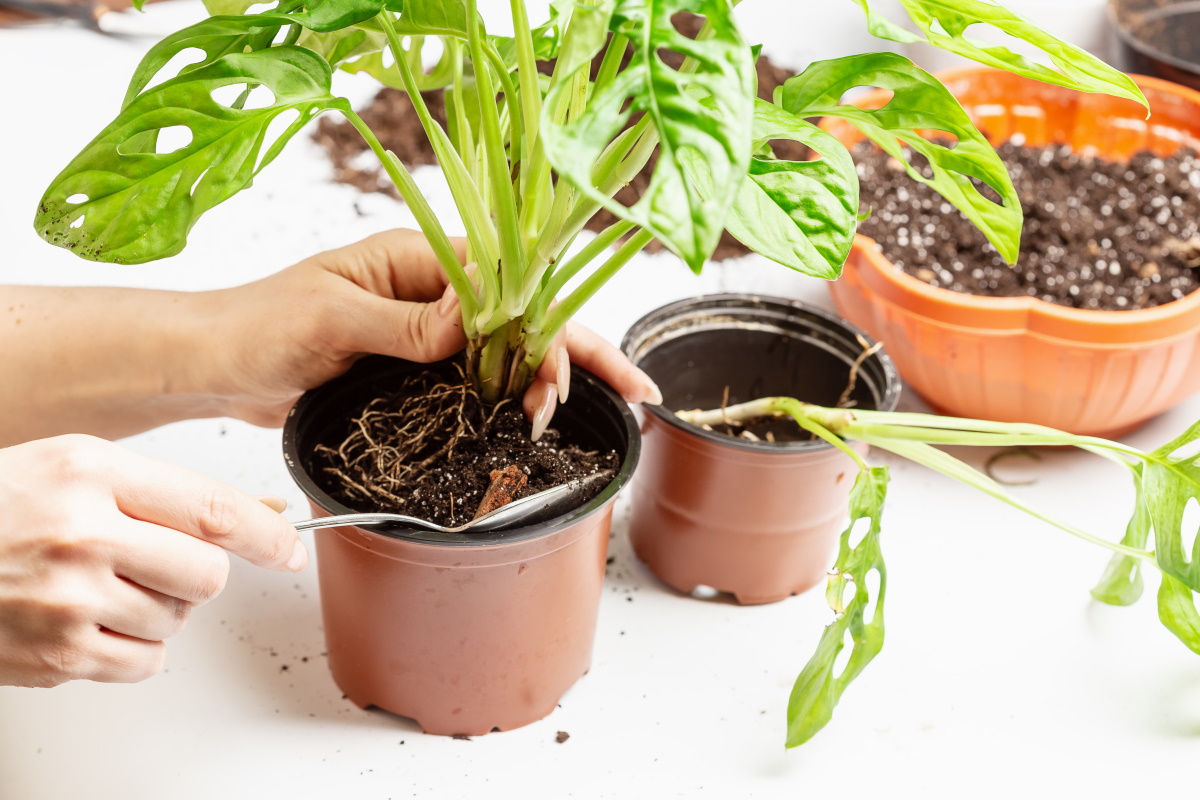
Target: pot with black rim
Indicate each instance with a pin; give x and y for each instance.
(755, 517)
(465, 633)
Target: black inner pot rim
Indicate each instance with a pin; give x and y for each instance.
(1136, 42)
(654, 340)
(731, 311)
(300, 474)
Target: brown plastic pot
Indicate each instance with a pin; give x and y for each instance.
(464, 633)
(1157, 37)
(759, 520)
(1020, 359)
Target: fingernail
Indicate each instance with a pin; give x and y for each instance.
(273, 502)
(448, 303)
(299, 559)
(653, 395)
(541, 417)
(563, 375)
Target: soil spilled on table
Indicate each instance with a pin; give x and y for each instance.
(392, 116)
(432, 449)
(1098, 234)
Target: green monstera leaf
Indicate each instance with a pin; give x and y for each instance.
(719, 68)
(802, 214)
(945, 24)
(120, 201)
(820, 684)
(920, 103)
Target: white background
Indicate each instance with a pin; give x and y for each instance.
(999, 678)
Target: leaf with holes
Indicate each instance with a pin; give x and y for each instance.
(1170, 483)
(920, 104)
(720, 67)
(945, 23)
(802, 214)
(328, 30)
(214, 37)
(1177, 611)
(385, 71)
(430, 17)
(1121, 584)
(820, 686)
(139, 206)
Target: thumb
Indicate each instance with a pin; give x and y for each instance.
(414, 331)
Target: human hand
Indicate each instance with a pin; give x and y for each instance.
(105, 553)
(387, 294)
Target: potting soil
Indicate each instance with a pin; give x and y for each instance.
(429, 448)
(1098, 234)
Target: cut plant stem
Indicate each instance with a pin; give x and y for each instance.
(910, 436)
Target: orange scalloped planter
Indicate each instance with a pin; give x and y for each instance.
(1022, 359)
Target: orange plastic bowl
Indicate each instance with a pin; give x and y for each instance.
(1022, 359)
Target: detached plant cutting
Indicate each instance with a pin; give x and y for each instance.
(1166, 481)
(530, 159)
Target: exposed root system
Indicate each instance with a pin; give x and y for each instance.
(429, 450)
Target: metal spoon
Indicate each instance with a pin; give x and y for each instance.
(528, 510)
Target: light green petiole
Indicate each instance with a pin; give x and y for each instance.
(911, 436)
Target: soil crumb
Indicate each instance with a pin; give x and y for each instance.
(1098, 234)
(429, 450)
(562, 737)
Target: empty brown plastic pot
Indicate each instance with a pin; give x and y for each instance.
(756, 519)
(471, 632)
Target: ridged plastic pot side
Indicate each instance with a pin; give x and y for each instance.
(755, 519)
(463, 633)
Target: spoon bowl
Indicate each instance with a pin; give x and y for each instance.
(529, 510)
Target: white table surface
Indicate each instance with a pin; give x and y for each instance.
(999, 678)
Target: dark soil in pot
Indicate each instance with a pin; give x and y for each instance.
(416, 439)
(1098, 234)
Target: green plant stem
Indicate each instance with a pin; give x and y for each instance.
(426, 219)
(531, 94)
(913, 442)
(511, 260)
(561, 314)
(580, 261)
(471, 206)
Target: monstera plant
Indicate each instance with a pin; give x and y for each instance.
(530, 158)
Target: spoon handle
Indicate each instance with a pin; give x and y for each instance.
(363, 519)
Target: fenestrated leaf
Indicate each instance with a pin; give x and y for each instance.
(1169, 482)
(139, 206)
(945, 23)
(231, 31)
(216, 36)
(1177, 611)
(441, 76)
(802, 214)
(430, 17)
(818, 689)
(920, 103)
(688, 221)
(324, 16)
(1121, 584)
